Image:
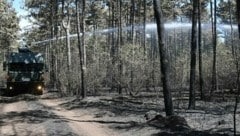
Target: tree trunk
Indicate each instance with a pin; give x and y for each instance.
(163, 59)
(193, 56)
(144, 25)
(238, 72)
(113, 50)
(66, 25)
(80, 49)
(238, 16)
(56, 57)
(144, 43)
(133, 41)
(120, 65)
(214, 70)
(200, 51)
(52, 56)
(83, 91)
(231, 24)
(109, 68)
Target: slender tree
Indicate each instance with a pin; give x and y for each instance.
(200, 50)
(113, 46)
(66, 22)
(83, 91)
(238, 72)
(193, 56)
(214, 70)
(238, 16)
(231, 24)
(80, 49)
(54, 9)
(132, 20)
(163, 58)
(120, 65)
(144, 24)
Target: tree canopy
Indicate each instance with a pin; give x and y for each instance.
(9, 24)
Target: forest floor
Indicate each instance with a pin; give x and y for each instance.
(110, 114)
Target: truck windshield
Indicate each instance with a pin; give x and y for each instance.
(24, 76)
(25, 67)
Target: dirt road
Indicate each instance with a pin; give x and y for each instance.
(44, 117)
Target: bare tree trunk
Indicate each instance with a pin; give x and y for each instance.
(133, 40)
(144, 25)
(163, 59)
(52, 56)
(238, 72)
(200, 51)
(83, 91)
(211, 12)
(80, 49)
(109, 69)
(144, 42)
(56, 57)
(230, 18)
(66, 25)
(238, 16)
(193, 56)
(214, 70)
(120, 65)
(113, 50)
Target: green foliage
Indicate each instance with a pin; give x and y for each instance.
(174, 10)
(226, 10)
(135, 62)
(8, 25)
(226, 67)
(40, 11)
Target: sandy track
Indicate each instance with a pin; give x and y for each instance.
(79, 121)
(46, 117)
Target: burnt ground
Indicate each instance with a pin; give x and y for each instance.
(213, 118)
(142, 115)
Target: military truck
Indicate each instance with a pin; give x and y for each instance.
(25, 71)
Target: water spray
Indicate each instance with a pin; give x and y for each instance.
(149, 27)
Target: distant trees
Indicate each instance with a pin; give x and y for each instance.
(8, 25)
(117, 45)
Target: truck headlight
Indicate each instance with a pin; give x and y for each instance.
(39, 87)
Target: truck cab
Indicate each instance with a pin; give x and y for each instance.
(25, 71)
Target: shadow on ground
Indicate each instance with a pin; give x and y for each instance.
(119, 106)
(123, 107)
(30, 117)
(21, 97)
(192, 133)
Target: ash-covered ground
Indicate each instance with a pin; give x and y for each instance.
(111, 114)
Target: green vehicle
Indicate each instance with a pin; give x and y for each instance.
(25, 71)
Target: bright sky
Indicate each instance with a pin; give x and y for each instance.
(18, 5)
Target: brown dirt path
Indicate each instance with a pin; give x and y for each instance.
(46, 117)
(80, 122)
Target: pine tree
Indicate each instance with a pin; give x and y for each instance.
(163, 59)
